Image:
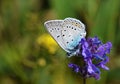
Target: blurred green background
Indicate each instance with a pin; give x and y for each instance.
(28, 55)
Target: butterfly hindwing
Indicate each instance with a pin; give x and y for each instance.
(73, 31)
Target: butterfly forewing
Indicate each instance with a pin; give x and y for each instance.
(55, 28)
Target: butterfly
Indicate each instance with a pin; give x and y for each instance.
(67, 33)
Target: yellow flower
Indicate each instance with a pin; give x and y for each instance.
(42, 62)
(48, 42)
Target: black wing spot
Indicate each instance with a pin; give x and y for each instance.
(63, 35)
(67, 26)
(72, 27)
(58, 36)
(50, 30)
(67, 42)
(58, 28)
(55, 28)
(69, 35)
(80, 35)
(75, 29)
(64, 30)
(72, 39)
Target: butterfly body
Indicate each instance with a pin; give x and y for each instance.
(67, 33)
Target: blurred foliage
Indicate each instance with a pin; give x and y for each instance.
(28, 55)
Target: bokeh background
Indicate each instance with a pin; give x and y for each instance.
(28, 55)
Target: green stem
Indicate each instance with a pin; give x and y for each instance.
(84, 80)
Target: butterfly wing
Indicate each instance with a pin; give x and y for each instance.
(55, 28)
(73, 31)
(67, 33)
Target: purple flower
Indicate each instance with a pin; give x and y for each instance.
(94, 54)
(75, 67)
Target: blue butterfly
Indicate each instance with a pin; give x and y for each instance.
(67, 33)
